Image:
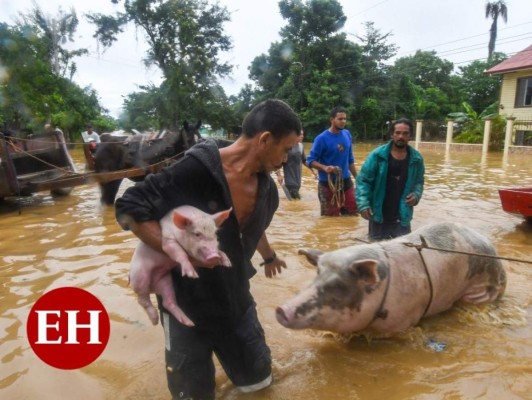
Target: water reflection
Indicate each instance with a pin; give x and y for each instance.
(72, 241)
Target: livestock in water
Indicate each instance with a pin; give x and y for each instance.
(388, 286)
(118, 153)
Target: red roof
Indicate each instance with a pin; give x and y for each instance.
(519, 61)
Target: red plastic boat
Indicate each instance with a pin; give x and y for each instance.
(517, 201)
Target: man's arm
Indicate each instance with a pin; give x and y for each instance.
(353, 169)
(364, 186)
(149, 232)
(413, 198)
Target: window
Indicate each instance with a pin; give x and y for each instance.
(524, 92)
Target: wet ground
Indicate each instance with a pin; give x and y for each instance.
(72, 241)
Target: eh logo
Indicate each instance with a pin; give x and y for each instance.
(68, 328)
(340, 147)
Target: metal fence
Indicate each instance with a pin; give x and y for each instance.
(523, 132)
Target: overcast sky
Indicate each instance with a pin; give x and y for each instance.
(456, 29)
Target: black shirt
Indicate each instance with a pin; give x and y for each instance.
(395, 185)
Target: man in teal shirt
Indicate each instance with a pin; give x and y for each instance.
(390, 184)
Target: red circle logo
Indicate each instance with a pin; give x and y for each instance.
(68, 328)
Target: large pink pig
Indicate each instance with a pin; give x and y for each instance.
(389, 286)
(186, 231)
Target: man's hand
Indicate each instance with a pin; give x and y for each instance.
(330, 169)
(366, 213)
(271, 269)
(411, 200)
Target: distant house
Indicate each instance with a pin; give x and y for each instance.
(516, 91)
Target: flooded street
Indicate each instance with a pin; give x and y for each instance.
(72, 241)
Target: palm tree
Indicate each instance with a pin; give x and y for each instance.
(494, 10)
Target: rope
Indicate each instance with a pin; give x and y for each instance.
(96, 174)
(40, 139)
(67, 143)
(381, 312)
(66, 171)
(336, 186)
(431, 295)
(467, 253)
(424, 245)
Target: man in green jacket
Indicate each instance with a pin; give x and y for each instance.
(390, 184)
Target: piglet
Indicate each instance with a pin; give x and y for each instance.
(186, 232)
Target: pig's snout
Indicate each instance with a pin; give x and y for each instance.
(285, 316)
(213, 257)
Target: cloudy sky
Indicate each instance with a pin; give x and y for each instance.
(456, 29)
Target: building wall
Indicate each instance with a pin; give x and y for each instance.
(507, 100)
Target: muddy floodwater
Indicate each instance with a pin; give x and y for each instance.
(72, 241)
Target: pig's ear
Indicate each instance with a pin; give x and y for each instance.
(180, 220)
(220, 217)
(312, 255)
(367, 271)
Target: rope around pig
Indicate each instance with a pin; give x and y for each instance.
(382, 313)
(467, 253)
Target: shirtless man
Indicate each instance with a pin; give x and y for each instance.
(214, 178)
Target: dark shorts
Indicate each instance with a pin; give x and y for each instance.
(242, 352)
(386, 230)
(329, 205)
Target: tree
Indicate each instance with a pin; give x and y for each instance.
(423, 86)
(185, 39)
(375, 48)
(493, 11)
(374, 83)
(31, 93)
(312, 61)
(479, 89)
(55, 32)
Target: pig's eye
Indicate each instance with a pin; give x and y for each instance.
(338, 289)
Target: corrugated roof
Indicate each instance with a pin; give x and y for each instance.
(519, 61)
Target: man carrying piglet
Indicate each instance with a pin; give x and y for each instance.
(219, 302)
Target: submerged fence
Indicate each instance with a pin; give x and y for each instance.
(517, 138)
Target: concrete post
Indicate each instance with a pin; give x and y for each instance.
(509, 134)
(487, 131)
(449, 137)
(419, 129)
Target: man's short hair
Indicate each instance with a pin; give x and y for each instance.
(405, 121)
(274, 116)
(336, 110)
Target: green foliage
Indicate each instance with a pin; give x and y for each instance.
(478, 88)
(314, 67)
(185, 40)
(33, 88)
(55, 32)
(472, 125)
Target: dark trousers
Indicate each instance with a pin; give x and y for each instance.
(242, 352)
(386, 230)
